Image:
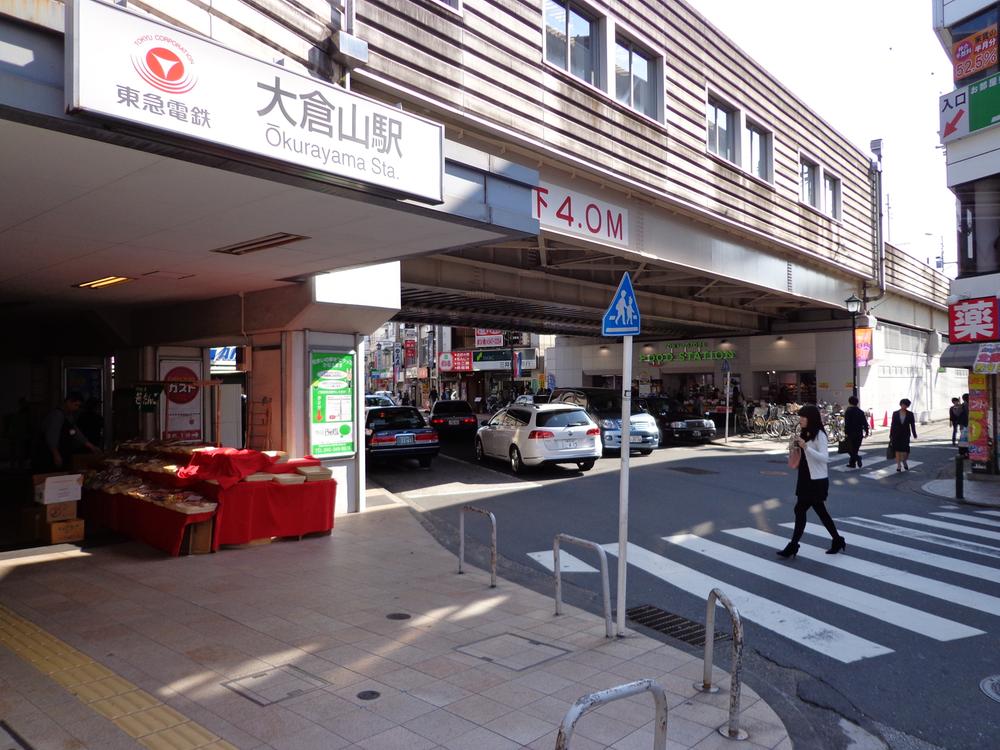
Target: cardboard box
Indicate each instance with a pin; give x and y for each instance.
(32, 524)
(59, 532)
(59, 511)
(57, 488)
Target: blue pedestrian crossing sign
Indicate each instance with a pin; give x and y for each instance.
(622, 316)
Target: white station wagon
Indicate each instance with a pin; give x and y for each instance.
(536, 434)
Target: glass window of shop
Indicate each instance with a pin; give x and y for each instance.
(978, 227)
(788, 387)
(974, 47)
(571, 39)
(634, 70)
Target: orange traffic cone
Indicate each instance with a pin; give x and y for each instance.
(885, 420)
(871, 420)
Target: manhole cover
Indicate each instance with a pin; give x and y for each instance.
(11, 740)
(691, 470)
(397, 616)
(275, 685)
(670, 624)
(991, 686)
(512, 651)
(369, 695)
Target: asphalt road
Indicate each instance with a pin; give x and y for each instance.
(895, 636)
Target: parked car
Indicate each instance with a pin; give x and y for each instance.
(376, 400)
(604, 405)
(453, 418)
(393, 432)
(677, 425)
(537, 434)
(532, 398)
(388, 394)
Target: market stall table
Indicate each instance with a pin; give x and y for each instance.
(154, 524)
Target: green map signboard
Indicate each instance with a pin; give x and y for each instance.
(331, 403)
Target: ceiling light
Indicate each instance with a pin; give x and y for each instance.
(260, 243)
(100, 283)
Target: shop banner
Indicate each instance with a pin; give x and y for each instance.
(147, 397)
(488, 337)
(987, 360)
(331, 403)
(181, 416)
(862, 347)
(975, 52)
(455, 361)
(979, 419)
(409, 352)
(134, 68)
(972, 320)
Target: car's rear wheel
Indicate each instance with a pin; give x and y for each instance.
(585, 465)
(516, 464)
(425, 462)
(480, 453)
(645, 452)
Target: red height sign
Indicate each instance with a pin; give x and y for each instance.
(973, 320)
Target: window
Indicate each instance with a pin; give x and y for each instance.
(809, 178)
(831, 195)
(571, 39)
(978, 227)
(721, 130)
(634, 72)
(758, 152)
(904, 339)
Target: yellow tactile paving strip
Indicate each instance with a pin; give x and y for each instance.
(136, 712)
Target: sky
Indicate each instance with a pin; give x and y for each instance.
(871, 69)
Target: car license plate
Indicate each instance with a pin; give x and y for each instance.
(404, 439)
(452, 421)
(569, 444)
(695, 433)
(636, 438)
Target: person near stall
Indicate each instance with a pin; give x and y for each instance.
(61, 437)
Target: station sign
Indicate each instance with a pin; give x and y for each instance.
(133, 68)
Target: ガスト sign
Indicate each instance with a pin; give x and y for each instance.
(972, 320)
(132, 68)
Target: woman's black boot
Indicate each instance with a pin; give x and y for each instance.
(839, 545)
(790, 550)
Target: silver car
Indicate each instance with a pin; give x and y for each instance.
(537, 434)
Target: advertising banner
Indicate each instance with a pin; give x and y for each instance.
(488, 337)
(975, 52)
(331, 403)
(134, 68)
(181, 417)
(979, 419)
(972, 320)
(455, 361)
(987, 360)
(862, 347)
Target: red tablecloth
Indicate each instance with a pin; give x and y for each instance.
(258, 510)
(148, 522)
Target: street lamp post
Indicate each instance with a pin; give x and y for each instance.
(853, 304)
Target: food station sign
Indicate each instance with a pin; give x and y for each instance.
(331, 404)
(687, 351)
(136, 69)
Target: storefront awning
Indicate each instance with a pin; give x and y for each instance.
(959, 355)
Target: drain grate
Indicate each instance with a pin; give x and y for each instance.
(691, 470)
(668, 623)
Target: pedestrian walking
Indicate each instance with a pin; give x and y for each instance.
(963, 426)
(954, 413)
(810, 455)
(903, 425)
(856, 430)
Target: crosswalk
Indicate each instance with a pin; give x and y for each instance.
(885, 467)
(894, 583)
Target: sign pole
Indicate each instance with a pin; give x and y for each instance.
(727, 406)
(626, 444)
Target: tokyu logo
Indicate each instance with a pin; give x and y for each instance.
(164, 63)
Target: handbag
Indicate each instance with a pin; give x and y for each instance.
(794, 456)
(890, 452)
(843, 446)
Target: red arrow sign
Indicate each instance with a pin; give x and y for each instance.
(952, 126)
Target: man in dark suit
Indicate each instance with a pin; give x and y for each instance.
(856, 429)
(963, 426)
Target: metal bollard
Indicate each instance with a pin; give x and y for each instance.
(605, 588)
(959, 477)
(730, 730)
(493, 541)
(602, 697)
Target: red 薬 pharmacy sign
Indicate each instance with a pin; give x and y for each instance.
(974, 320)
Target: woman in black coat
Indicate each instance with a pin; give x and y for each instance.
(903, 425)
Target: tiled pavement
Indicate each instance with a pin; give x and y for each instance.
(120, 647)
